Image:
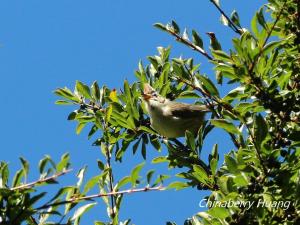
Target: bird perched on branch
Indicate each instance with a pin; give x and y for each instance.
(214, 43)
(171, 119)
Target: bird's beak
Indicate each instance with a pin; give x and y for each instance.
(146, 97)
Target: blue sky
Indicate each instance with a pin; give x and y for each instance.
(50, 44)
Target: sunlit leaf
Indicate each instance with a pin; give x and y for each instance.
(226, 125)
(80, 211)
(83, 89)
(135, 173)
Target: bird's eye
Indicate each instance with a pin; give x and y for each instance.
(154, 94)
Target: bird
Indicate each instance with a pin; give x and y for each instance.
(172, 119)
(214, 43)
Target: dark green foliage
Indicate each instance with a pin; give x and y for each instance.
(260, 115)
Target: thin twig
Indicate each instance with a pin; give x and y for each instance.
(110, 173)
(190, 44)
(114, 193)
(31, 184)
(32, 219)
(111, 180)
(235, 29)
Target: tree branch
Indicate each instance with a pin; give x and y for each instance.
(113, 193)
(190, 44)
(233, 26)
(29, 185)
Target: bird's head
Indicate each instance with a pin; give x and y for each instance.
(211, 35)
(150, 95)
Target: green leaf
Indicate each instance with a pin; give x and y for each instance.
(61, 192)
(190, 139)
(254, 26)
(197, 39)
(79, 127)
(17, 178)
(127, 91)
(108, 113)
(170, 223)
(271, 46)
(126, 222)
(235, 94)
(35, 198)
(217, 2)
(241, 180)
(214, 152)
(224, 20)
(122, 121)
(135, 173)
(64, 162)
(160, 159)
(155, 143)
(69, 195)
(92, 131)
(72, 115)
(235, 18)
(63, 102)
(83, 89)
(43, 163)
(113, 96)
(66, 93)
(95, 91)
(231, 165)
(80, 176)
(99, 223)
(188, 94)
(213, 165)
(80, 211)
(144, 142)
(85, 119)
(101, 165)
(180, 71)
(148, 130)
(136, 145)
(160, 26)
(176, 27)
(160, 179)
(208, 85)
(261, 19)
(219, 212)
(150, 175)
(177, 185)
(226, 125)
(25, 165)
(91, 183)
(260, 129)
(122, 182)
(132, 111)
(220, 55)
(200, 174)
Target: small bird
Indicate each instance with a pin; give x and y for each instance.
(214, 43)
(171, 119)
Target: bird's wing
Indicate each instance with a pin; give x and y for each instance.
(181, 109)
